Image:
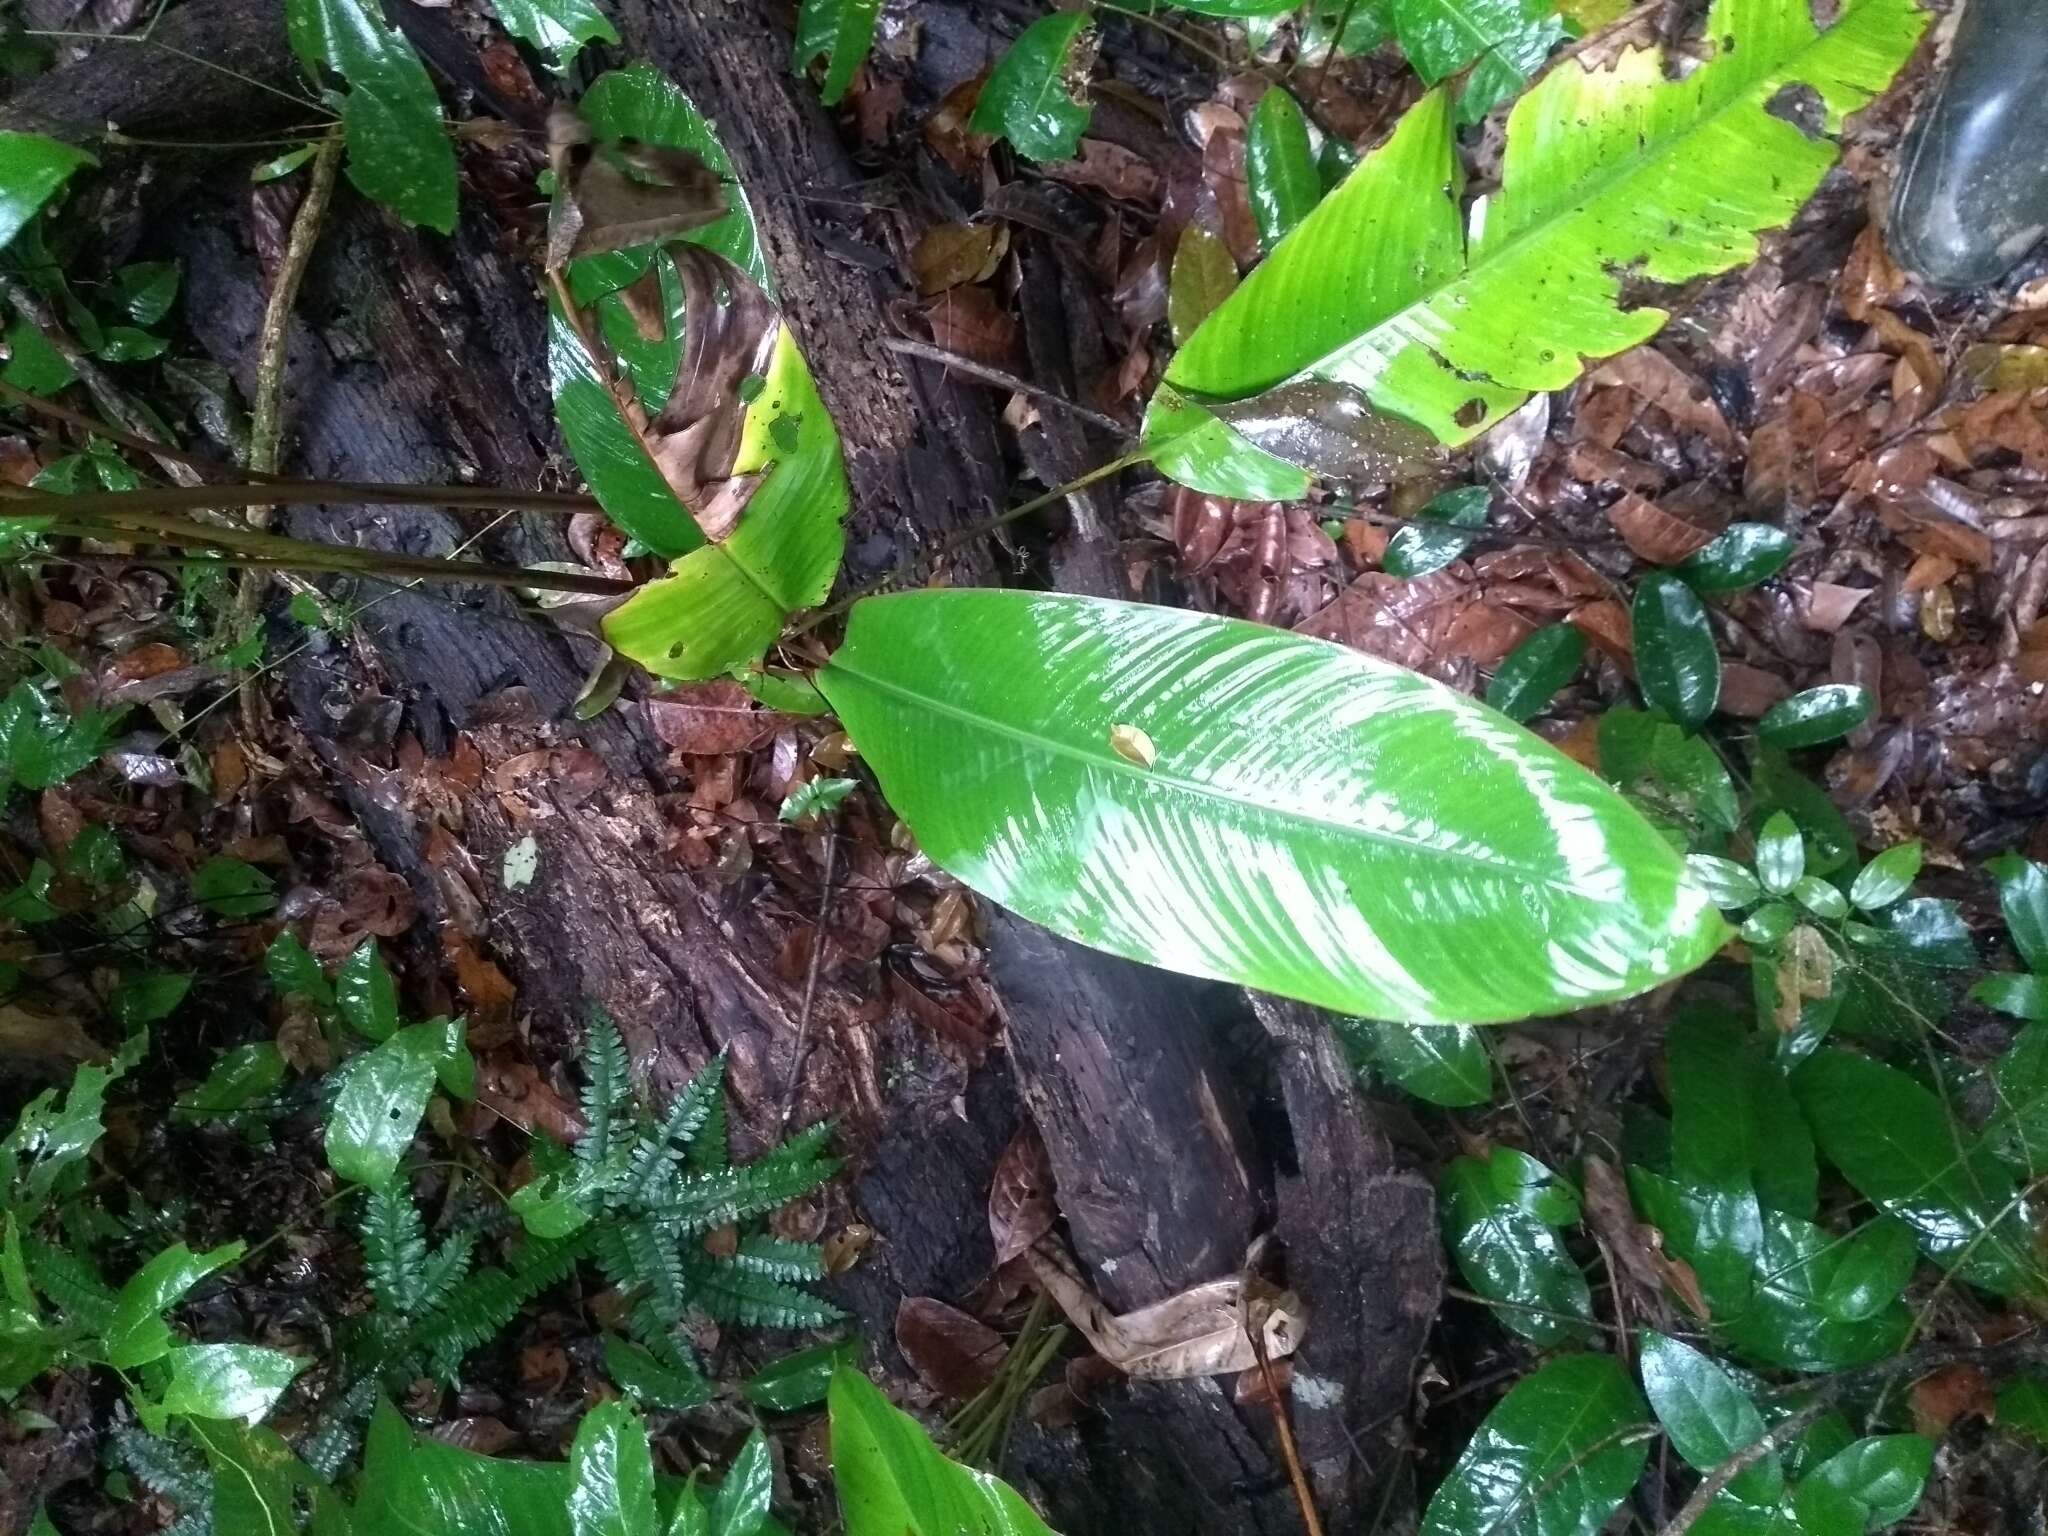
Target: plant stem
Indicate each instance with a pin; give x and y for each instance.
(300, 493)
(149, 446)
(379, 566)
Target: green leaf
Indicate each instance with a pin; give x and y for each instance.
(558, 28)
(125, 344)
(816, 797)
(1892, 1139)
(1708, 1417)
(32, 168)
(227, 1381)
(2018, 1128)
(1204, 275)
(1034, 97)
(2023, 898)
(1434, 539)
(2023, 1407)
(377, 1109)
(725, 604)
(1741, 556)
(1617, 172)
(611, 1475)
(291, 965)
(1821, 899)
(1734, 1123)
(1871, 1270)
(1780, 854)
(1503, 41)
(42, 744)
(1441, 1063)
(1726, 882)
(137, 1334)
(1531, 1187)
(1534, 671)
(1310, 816)
(255, 1478)
(145, 290)
(798, 1380)
(552, 1206)
(1883, 1473)
(1676, 663)
(839, 31)
(36, 366)
(1776, 786)
(651, 1381)
(1551, 1459)
(1512, 1258)
(893, 1481)
(284, 164)
(143, 1000)
(1923, 930)
(365, 992)
(741, 1505)
(1279, 169)
(399, 152)
(61, 1138)
(2024, 997)
(231, 888)
(1817, 715)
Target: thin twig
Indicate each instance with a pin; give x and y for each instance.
(1289, 1455)
(910, 347)
(134, 441)
(803, 1018)
(1736, 1465)
(382, 567)
(301, 493)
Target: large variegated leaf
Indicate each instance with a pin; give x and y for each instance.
(1238, 802)
(1610, 174)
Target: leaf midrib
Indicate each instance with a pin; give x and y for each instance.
(1195, 788)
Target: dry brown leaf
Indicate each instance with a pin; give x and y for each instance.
(1746, 691)
(1020, 1208)
(1606, 626)
(1829, 605)
(604, 205)
(1662, 535)
(1661, 382)
(948, 255)
(953, 1354)
(32, 1035)
(1870, 278)
(1780, 466)
(1121, 173)
(972, 322)
(1950, 1394)
(1405, 622)
(707, 719)
(1200, 1332)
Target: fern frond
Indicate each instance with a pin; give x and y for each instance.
(198, 1523)
(706, 1200)
(655, 1159)
(733, 1294)
(656, 1265)
(71, 1282)
(165, 1467)
(780, 1260)
(341, 1430)
(394, 1248)
(488, 1300)
(607, 1089)
(445, 1268)
(711, 1148)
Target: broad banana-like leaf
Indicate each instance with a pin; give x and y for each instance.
(1237, 802)
(1610, 173)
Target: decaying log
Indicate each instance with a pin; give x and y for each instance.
(414, 357)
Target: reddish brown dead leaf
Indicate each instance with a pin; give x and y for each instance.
(1404, 622)
(1663, 535)
(1606, 626)
(953, 1354)
(971, 321)
(948, 255)
(1020, 1207)
(1950, 1394)
(1829, 605)
(2005, 422)
(1870, 278)
(486, 1435)
(1662, 383)
(1747, 691)
(947, 133)
(141, 663)
(511, 1087)
(1780, 467)
(1121, 173)
(709, 719)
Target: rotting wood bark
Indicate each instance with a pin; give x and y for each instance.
(417, 358)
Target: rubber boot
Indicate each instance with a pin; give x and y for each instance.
(1972, 191)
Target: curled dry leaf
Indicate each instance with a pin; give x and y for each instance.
(1200, 1332)
(1110, 168)
(1020, 1208)
(707, 719)
(1659, 381)
(613, 196)
(1829, 605)
(953, 1354)
(1635, 1249)
(1663, 535)
(948, 255)
(1405, 622)
(972, 322)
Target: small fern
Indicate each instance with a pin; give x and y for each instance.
(167, 1468)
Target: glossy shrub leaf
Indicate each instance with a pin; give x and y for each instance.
(1892, 1139)
(137, 1334)
(365, 992)
(42, 743)
(1742, 555)
(1535, 669)
(1438, 535)
(2023, 1408)
(1610, 171)
(1310, 815)
(1886, 1474)
(1871, 1270)
(1676, 775)
(1923, 930)
(2023, 997)
(227, 1381)
(1726, 882)
(1780, 854)
(1707, 1416)
(32, 169)
(1502, 42)
(231, 888)
(399, 152)
(1551, 1459)
(740, 1507)
(1036, 96)
(894, 1482)
(2023, 898)
(650, 1382)
(292, 967)
(558, 28)
(1775, 785)
(422, 1487)
(1817, 715)
(1735, 1125)
(1677, 666)
(238, 1079)
(723, 605)
(1441, 1063)
(611, 1475)
(1512, 1258)
(378, 1106)
(840, 32)
(1763, 1274)
(2017, 1130)
(1821, 899)
(1280, 171)
(1885, 877)
(255, 1478)
(1530, 1185)
(798, 1380)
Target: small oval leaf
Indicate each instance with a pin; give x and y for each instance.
(1676, 662)
(1817, 715)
